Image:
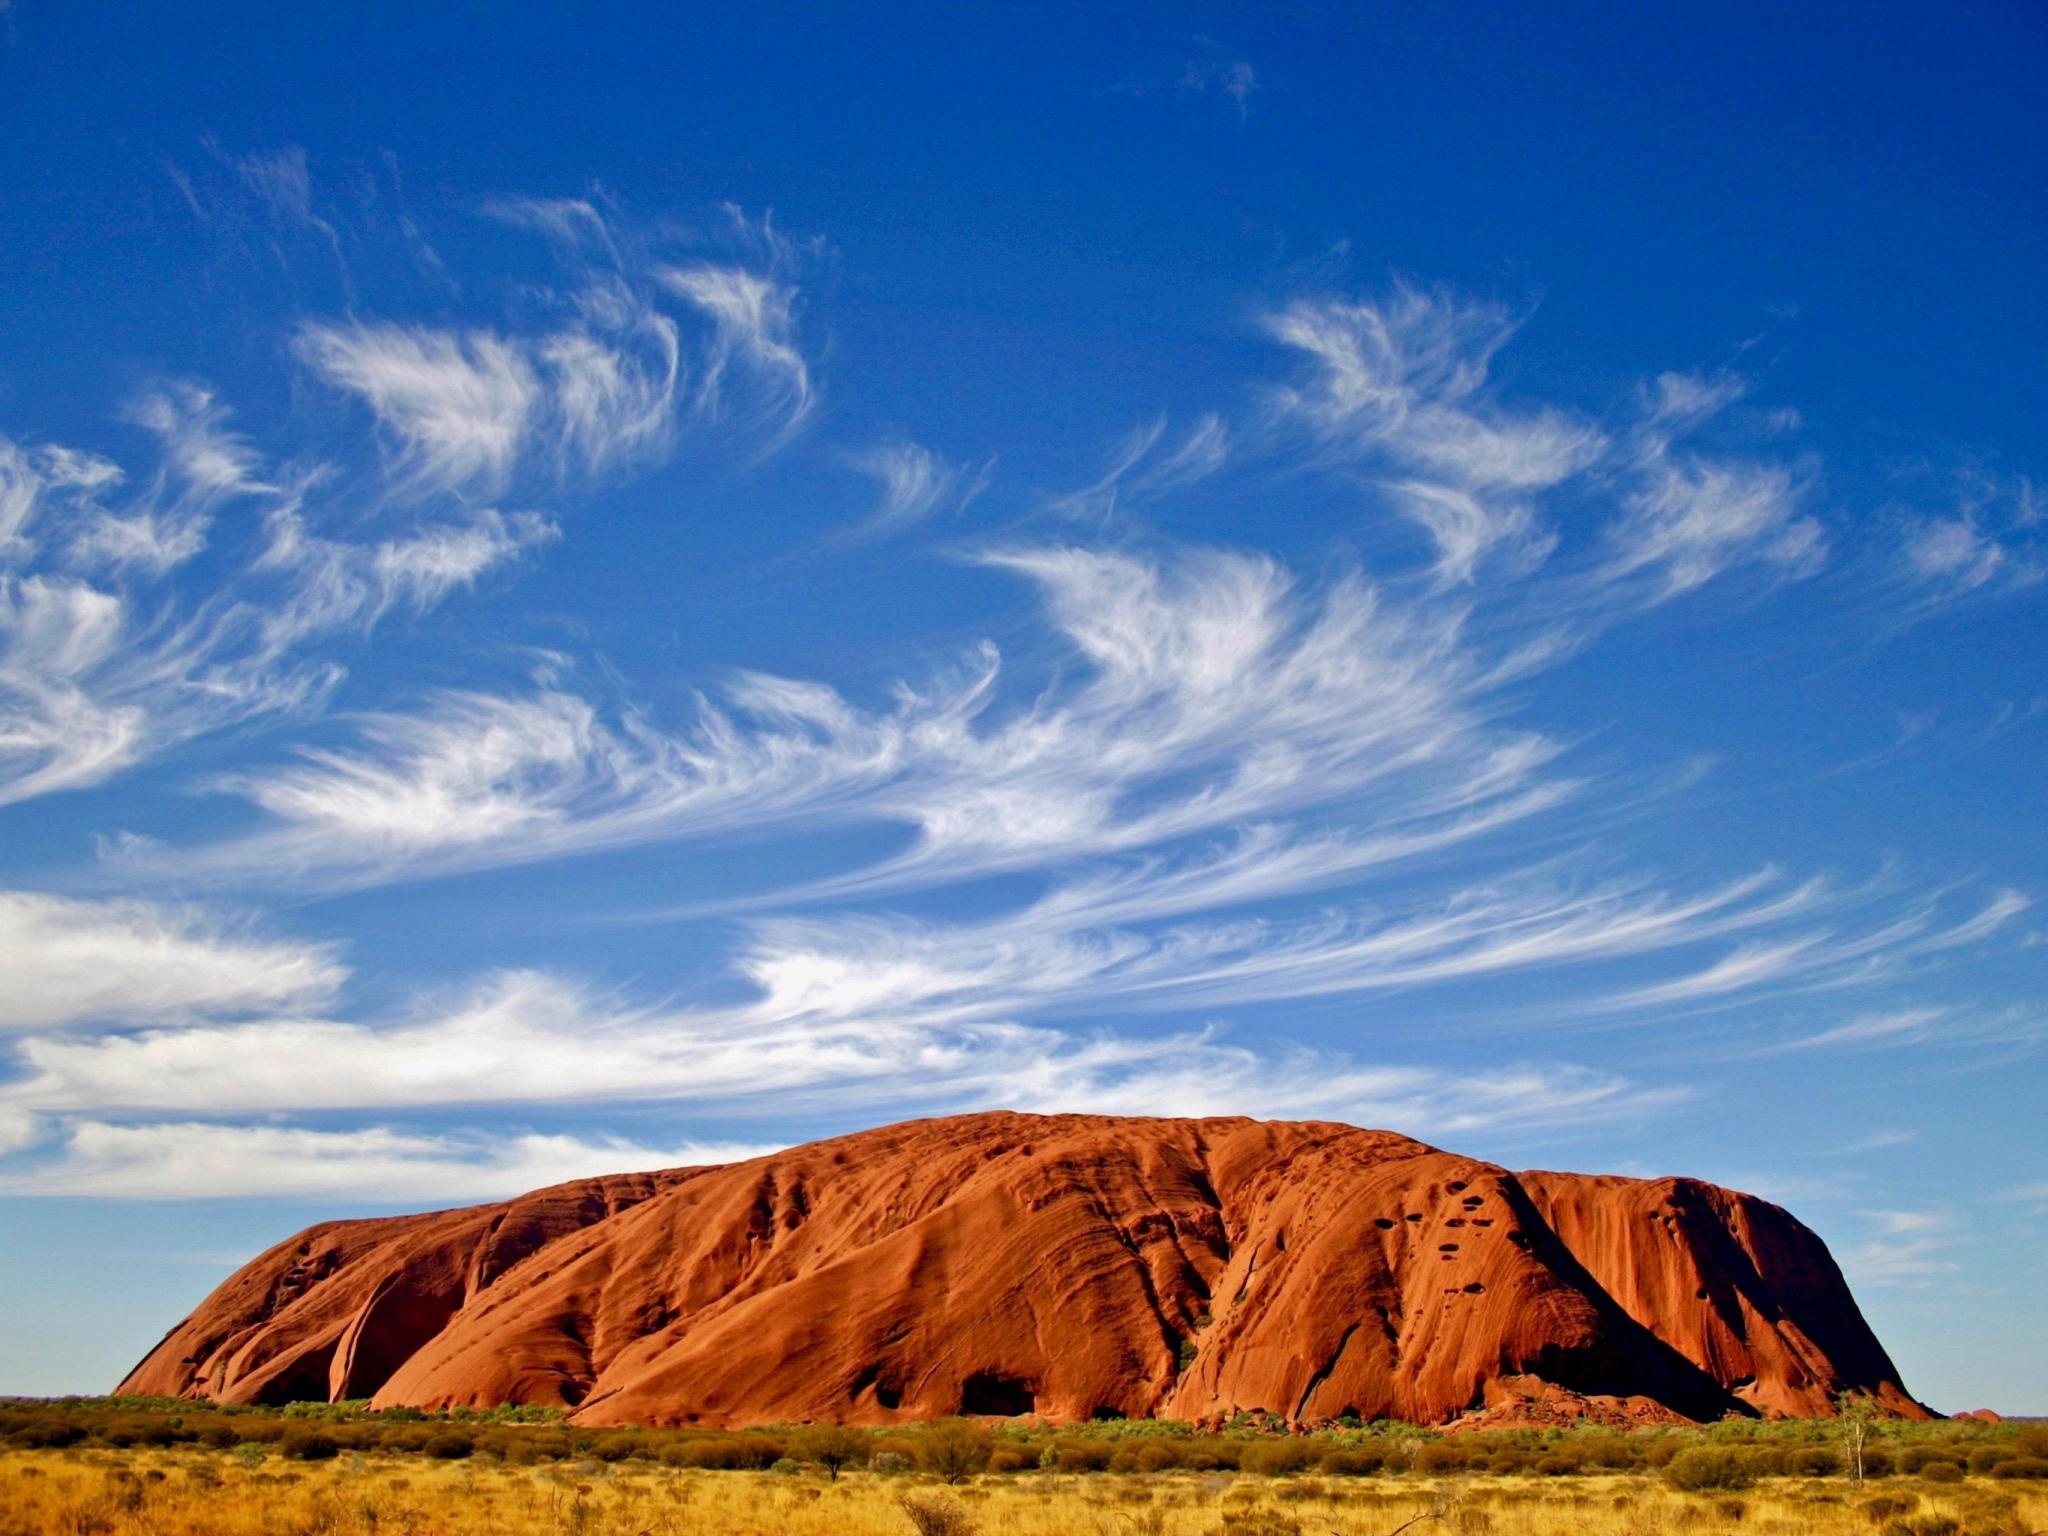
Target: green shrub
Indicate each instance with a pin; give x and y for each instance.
(449, 1447)
(2021, 1466)
(1606, 1450)
(1156, 1455)
(1081, 1455)
(731, 1453)
(47, 1435)
(1702, 1467)
(1442, 1456)
(1277, 1458)
(1362, 1462)
(1814, 1461)
(308, 1445)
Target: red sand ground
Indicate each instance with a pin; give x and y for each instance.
(1066, 1266)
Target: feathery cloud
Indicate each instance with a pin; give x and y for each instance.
(196, 1160)
(457, 405)
(125, 963)
(915, 484)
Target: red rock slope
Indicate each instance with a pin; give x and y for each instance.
(1065, 1265)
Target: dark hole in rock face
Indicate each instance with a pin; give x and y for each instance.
(1455, 1185)
(1413, 1216)
(988, 1394)
(888, 1396)
(1384, 1223)
(1102, 1413)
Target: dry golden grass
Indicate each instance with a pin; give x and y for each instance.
(92, 1492)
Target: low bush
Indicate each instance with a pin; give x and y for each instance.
(1442, 1456)
(1813, 1461)
(449, 1447)
(1278, 1458)
(1079, 1455)
(1362, 1462)
(2021, 1466)
(308, 1445)
(1703, 1467)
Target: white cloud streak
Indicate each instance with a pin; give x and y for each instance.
(465, 411)
(456, 405)
(1401, 387)
(753, 353)
(1988, 545)
(526, 1038)
(1218, 691)
(194, 1160)
(1146, 464)
(124, 963)
(915, 485)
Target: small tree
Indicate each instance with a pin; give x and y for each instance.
(1856, 1413)
(830, 1446)
(953, 1450)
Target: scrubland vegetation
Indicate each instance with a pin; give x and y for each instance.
(104, 1467)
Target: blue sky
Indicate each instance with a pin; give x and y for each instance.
(587, 589)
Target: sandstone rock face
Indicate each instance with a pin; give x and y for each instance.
(1066, 1266)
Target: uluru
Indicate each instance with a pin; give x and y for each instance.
(1064, 1266)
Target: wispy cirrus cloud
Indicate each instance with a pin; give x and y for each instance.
(197, 1160)
(127, 963)
(457, 405)
(1690, 518)
(1401, 387)
(99, 669)
(528, 1039)
(465, 410)
(753, 353)
(1149, 462)
(915, 485)
(1907, 1248)
(103, 663)
(1401, 384)
(1218, 689)
(1989, 543)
